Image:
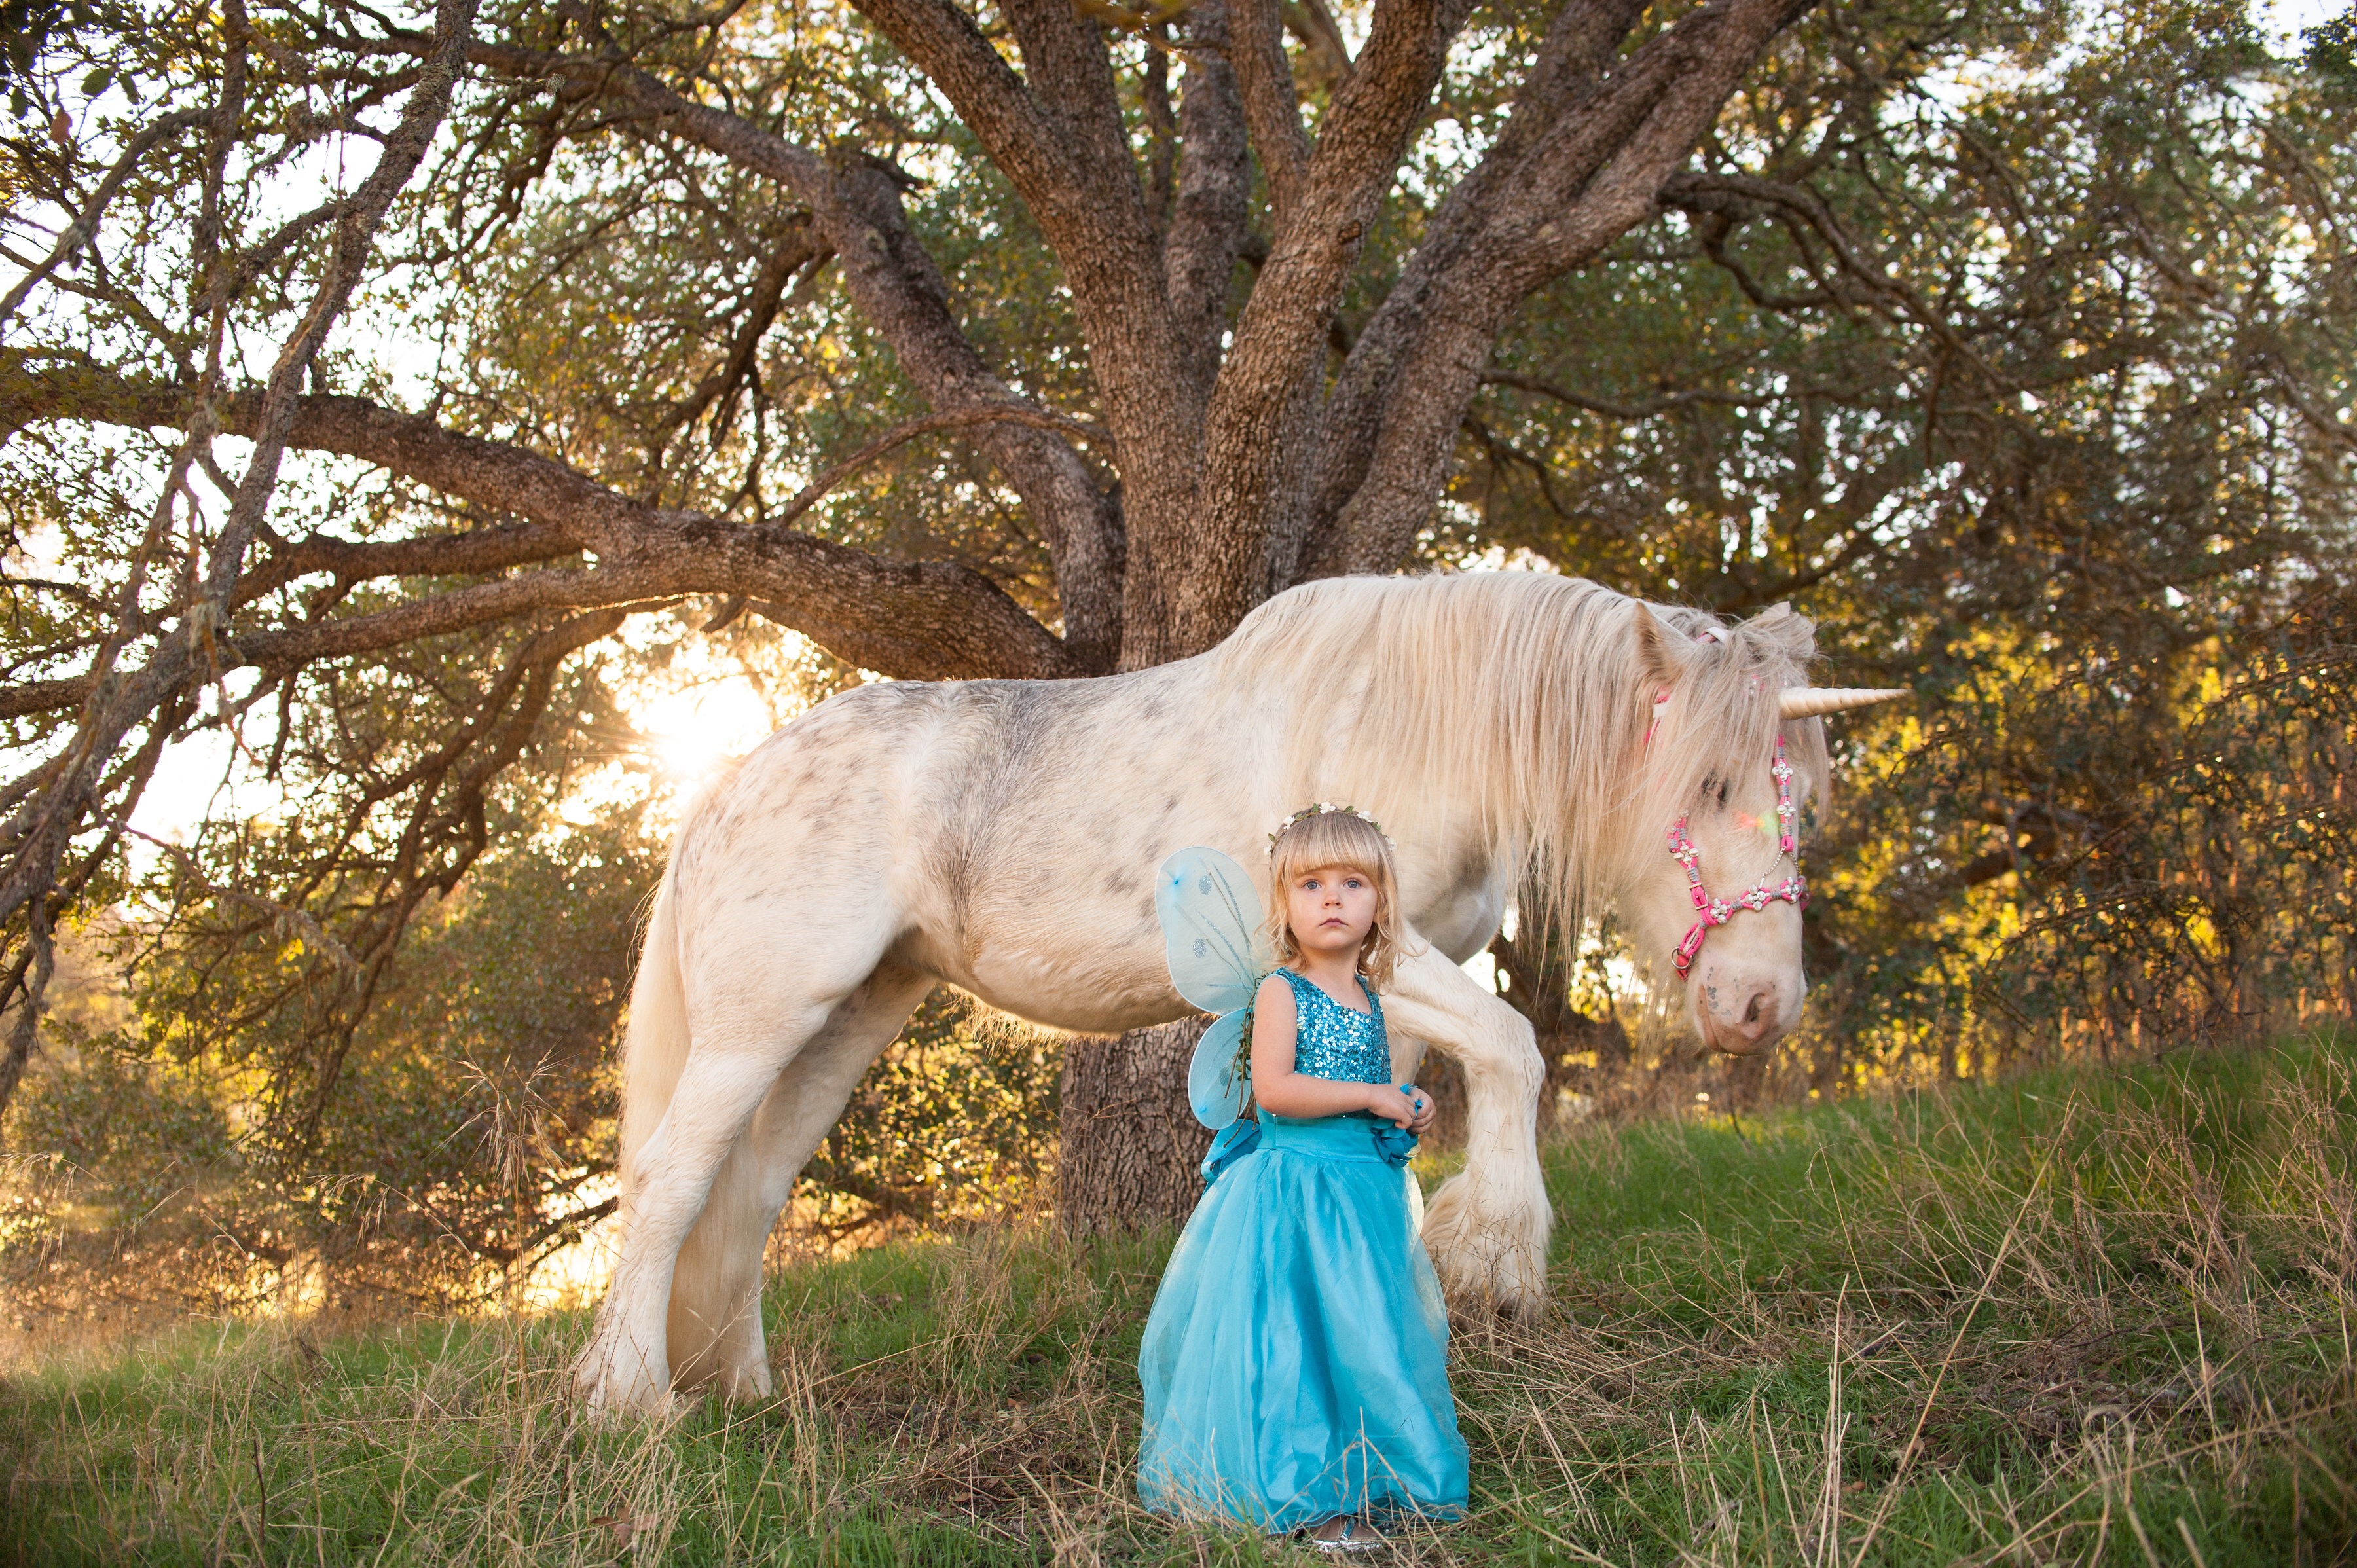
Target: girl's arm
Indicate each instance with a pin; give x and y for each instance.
(1275, 1027)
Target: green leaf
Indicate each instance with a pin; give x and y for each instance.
(2333, 49)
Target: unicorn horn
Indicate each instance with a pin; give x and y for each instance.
(1808, 702)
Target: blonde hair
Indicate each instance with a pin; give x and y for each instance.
(1345, 839)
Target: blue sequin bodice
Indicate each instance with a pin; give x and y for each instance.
(1333, 1041)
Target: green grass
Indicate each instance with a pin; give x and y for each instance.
(2086, 1317)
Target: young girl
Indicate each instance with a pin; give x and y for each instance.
(1294, 1365)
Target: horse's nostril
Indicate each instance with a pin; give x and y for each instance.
(1751, 1013)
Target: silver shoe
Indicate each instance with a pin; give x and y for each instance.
(1351, 1540)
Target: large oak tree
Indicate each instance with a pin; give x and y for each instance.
(1221, 438)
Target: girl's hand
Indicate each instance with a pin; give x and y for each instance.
(1425, 1110)
(1399, 1110)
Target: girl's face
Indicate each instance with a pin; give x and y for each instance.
(1331, 910)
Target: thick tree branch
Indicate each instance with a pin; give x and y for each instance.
(1271, 108)
(1280, 342)
(854, 202)
(1212, 201)
(927, 620)
(1594, 171)
(1070, 75)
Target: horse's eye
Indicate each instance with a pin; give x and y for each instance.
(1714, 787)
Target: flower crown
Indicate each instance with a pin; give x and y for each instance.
(1320, 809)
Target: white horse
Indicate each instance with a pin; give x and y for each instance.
(1002, 837)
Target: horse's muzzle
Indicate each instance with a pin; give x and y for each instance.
(1739, 1021)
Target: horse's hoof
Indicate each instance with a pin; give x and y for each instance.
(744, 1385)
(1486, 1263)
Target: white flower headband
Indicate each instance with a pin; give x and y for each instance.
(1320, 809)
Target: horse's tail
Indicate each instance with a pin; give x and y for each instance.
(714, 1323)
(654, 1049)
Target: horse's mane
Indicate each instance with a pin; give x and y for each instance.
(1528, 696)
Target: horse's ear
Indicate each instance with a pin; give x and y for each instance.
(1655, 663)
(1795, 633)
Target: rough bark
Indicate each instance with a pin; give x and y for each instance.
(1281, 338)
(1264, 77)
(1131, 1146)
(1211, 200)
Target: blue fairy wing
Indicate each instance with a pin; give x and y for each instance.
(1209, 909)
(1215, 1086)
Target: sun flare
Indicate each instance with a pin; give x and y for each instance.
(692, 730)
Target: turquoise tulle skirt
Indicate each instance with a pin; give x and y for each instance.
(1294, 1364)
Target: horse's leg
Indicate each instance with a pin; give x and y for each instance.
(757, 990)
(715, 1321)
(1486, 1227)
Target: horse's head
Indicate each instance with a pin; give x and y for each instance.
(1576, 731)
(1712, 886)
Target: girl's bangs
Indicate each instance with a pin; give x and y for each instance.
(1330, 838)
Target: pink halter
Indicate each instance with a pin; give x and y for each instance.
(1710, 911)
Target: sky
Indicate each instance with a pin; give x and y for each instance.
(2287, 19)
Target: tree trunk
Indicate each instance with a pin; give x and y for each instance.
(1131, 1147)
